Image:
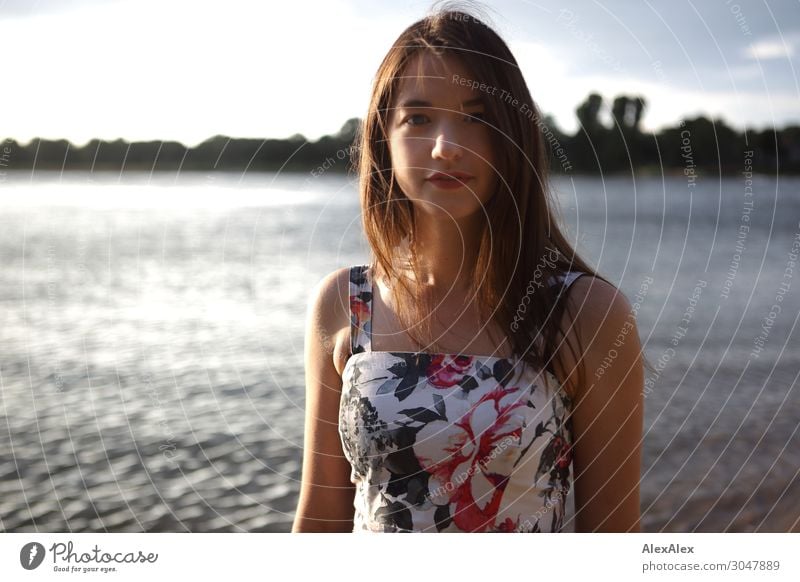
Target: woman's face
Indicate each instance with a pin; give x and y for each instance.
(440, 148)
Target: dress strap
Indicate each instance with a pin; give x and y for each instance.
(360, 309)
(565, 279)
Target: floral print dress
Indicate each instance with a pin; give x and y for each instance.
(451, 443)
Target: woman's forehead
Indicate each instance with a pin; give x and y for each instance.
(435, 77)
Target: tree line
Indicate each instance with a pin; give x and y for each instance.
(704, 144)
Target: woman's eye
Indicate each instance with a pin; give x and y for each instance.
(476, 118)
(417, 119)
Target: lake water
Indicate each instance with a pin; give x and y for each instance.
(152, 347)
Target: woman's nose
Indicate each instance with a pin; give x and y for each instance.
(445, 147)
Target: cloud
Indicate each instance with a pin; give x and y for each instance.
(772, 48)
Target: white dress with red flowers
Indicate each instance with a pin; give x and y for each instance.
(449, 443)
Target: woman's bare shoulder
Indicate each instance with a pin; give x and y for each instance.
(596, 315)
(607, 416)
(596, 301)
(329, 314)
(332, 294)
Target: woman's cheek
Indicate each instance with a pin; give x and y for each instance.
(399, 154)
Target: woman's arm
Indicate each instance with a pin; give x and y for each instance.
(326, 493)
(607, 389)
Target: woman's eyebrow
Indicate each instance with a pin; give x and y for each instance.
(411, 103)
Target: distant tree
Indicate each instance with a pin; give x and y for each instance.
(619, 110)
(639, 105)
(766, 146)
(349, 129)
(789, 144)
(627, 111)
(589, 140)
(588, 113)
(624, 143)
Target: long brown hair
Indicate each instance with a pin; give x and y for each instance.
(510, 280)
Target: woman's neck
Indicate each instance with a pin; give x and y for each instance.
(446, 251)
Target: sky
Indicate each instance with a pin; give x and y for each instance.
(188, 70)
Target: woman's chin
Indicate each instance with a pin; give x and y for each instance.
(448, 208)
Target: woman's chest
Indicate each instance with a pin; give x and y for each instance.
(444, 414)
(452, 326)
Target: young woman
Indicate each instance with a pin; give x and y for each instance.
(458, 381)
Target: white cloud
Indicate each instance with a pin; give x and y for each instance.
(771, 48)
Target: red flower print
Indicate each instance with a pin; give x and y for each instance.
(471, 459)
(563, 452)
(508, 525)
(360, 309)
(446, 371)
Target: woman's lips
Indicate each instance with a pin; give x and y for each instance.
(447, 183)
